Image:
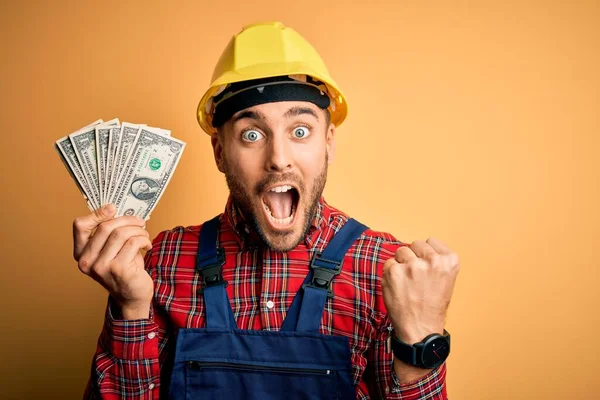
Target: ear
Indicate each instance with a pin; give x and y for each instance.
(330, 139)
(217, 145)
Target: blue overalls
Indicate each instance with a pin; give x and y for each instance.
(221, 361)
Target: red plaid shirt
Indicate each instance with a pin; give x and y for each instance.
(262, 284)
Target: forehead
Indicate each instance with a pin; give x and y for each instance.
(281, 110)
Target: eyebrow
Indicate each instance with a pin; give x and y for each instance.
(295, 111)
(255, 115)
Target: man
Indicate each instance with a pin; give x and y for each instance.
(282, 295)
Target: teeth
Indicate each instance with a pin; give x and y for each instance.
(281, 189)
(281, 221)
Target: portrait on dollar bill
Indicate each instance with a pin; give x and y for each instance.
(144, 188)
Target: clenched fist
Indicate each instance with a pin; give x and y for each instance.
(417, 287)
(108, 250)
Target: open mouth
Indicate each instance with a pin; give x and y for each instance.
(280, 204)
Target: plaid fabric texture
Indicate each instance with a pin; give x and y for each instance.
(132, 358)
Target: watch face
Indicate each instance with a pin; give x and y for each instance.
(435, 351)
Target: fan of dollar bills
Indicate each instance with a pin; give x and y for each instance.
(128, 165)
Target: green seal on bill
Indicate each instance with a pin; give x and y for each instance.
(155, 164)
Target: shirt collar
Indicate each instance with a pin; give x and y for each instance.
(246, 235)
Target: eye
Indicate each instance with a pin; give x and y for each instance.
(252, 135)
(301, 132)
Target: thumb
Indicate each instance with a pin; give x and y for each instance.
(84, 226)
(102, 214)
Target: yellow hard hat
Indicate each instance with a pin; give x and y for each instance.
(268, 50)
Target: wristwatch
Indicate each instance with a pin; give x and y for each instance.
(429, 353)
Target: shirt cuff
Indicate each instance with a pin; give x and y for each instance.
(432, 383)
(131, 339)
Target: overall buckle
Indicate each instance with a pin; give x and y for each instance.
(322, 276)
(212, 274)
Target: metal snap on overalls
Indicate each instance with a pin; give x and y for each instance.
(221, 361)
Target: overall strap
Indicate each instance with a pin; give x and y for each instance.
(209, 262)
(306, 310)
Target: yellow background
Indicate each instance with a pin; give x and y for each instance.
(474, 122)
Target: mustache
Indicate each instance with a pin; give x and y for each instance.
(270, 180)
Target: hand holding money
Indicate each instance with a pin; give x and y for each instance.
(108, 250)
(122, 171)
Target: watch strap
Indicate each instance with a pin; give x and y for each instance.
(411, 354)
(404, 351)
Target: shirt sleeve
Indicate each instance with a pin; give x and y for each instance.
(127, 363)
(385, 383)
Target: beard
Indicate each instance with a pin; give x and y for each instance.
(243, 200)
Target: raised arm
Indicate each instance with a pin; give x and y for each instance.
(126, 363)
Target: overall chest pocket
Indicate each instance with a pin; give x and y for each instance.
(232, 380)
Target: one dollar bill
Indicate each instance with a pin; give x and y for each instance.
(150, 166)
(67, 154)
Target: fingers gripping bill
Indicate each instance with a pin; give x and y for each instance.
(126, 164)
(107, 249)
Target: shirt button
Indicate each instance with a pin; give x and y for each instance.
(387, 390)
(270, 304)
(151, 386)
(151, 335)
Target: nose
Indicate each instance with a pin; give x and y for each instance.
(279, 154)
